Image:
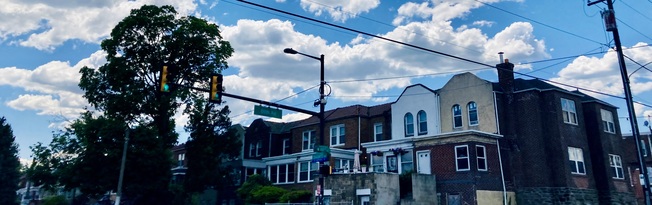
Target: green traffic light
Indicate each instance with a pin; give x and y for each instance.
(166, 87)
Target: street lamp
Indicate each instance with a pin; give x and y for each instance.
(322, 104)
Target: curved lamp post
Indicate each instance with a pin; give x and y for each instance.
(322, 103)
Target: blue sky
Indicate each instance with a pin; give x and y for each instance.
(44, 43)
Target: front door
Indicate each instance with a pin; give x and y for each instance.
(423, 162)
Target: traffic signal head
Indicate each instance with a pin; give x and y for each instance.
(216, 89)
(164, 80)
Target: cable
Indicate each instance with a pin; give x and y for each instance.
(407, 76)
(648, 18)
(642, 66)
(535, 21)
(427, 49)
(305, 90)
(633, 28)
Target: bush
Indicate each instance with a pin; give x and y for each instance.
(267, 194)
(253, 182)
(296, 196)
(55, 200)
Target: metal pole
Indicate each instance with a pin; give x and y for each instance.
(122, 167)
(322, 104)
(630, 108)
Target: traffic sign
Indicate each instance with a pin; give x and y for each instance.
(319, 157)
(323, 148)
(267, 111)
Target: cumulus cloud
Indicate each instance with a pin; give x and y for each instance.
(603, 72)
(48, 24)
(339, 10)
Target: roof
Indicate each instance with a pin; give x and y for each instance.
(279, 127)
(523, 84)
(349, 111)
(588, 98)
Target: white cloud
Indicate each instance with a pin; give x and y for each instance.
(339, 10)
(49, 24)
(603, 73)
(484, 23)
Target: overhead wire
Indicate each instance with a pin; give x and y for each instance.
(633, 29)
(277, 101)
(647, 17)
(434, 51)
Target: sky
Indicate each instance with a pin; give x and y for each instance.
(44, 43)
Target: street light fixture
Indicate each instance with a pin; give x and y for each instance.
(322, 104)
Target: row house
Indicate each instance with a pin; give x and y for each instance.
(631, 162)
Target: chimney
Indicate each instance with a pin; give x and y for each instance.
(505, 74)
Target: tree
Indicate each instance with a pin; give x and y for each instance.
(125, 88)
(211, 144)
(253, 183)
(9, 164)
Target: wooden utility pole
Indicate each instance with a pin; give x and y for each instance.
(610, 23)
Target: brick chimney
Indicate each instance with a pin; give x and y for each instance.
(506, 75)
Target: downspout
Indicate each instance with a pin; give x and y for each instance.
(500, 158)
(359, 143)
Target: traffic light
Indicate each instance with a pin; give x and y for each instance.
(216, 89)
(164, 80)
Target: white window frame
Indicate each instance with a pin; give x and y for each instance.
(252, 148)
(313, 167)
(259, 146)
(343, 164)
(569, 111)
(278, 174)
(483, 159)
(643, 147)
(473, 110)
(409, 124)
(404, 162)
(576, 158)
(616, 163)
(422, 123)
(286, 146)
(458, 158)
(608, 121)
(378, 163)
(456, 115)
(378, 132)
(308, 137)
(339, 135)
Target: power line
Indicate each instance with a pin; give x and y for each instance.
(406, 76)
(633, 29)
(648, 18)
(427, 49)
(543, 24)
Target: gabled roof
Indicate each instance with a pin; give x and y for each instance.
(415, 85)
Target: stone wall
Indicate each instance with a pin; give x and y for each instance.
(557, 196)
(382, 188)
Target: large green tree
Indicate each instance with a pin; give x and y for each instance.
(9, 164)
(125, 93)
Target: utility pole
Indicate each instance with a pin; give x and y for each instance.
(610, 23)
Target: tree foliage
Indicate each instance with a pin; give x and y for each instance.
(296, 196)
(125, 91)
(9, 164)
(253, 183)
(267, 194)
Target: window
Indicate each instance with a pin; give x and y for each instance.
(576, 159)
(378, 132)
(608, 121)
(422, 118)
(457, 116)
(409, 125)
(462, 158)
(407, 162)
(286, 146)
(343, 164)
(568, 111)
(617, 166)
(473, 114)
(181, 157)
(481, 156)
(306, 170)
(309, 139)
(252, 148)
(377, 163)
(283, 173)
(337, 135)
(259, 145)
(643, 148)
(252, 171)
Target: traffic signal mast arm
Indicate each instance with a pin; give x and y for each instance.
(259, 101)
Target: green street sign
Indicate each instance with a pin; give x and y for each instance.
(323, 148)
(267, 111)
(319, 157)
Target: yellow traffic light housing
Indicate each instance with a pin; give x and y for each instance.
(164, 80)
(216, 89)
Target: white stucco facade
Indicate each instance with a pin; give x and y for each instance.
(416, 98)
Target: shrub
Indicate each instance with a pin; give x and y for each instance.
(55, 200)
(267, 194)
(296, 196)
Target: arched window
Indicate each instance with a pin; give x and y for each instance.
(423, 122)
(457, 116)
(473, 114)
(409, 125)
